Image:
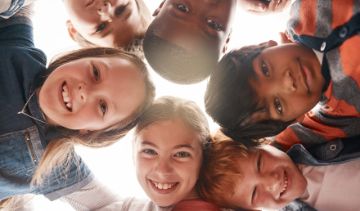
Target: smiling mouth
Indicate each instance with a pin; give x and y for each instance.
(285, 184)
(66, 96)
(164, 187)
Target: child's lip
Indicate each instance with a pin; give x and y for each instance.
(304, 75)
(163, 188)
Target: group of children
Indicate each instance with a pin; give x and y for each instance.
(303, 94)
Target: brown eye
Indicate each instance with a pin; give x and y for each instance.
(278, 106)
(182, 8)
(214, 25)
(120, 10)
(265, 69)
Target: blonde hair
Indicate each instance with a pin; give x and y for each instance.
(220, 173)
(135, 46)
(60, 151)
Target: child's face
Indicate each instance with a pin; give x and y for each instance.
(270, 180)
(288, 82)
(168, 157)
(92, 93)
(193, 24)
(264, 6)
(108, 23)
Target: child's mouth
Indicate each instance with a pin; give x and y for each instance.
(66, 97)
(285, 184)
(163, 187)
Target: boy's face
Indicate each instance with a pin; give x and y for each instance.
(288, 82)
(270, 180)
(108, 23)
(168, 157)
(194, 24)
(92, 93)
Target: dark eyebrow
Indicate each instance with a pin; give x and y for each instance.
(257, 167)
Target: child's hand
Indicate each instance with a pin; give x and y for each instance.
(284, 38)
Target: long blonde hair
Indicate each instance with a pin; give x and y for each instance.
(60, 151)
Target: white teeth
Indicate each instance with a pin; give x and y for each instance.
(66, 96)
(285, 184)
(163, 186)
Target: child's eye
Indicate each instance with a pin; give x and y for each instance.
(183, 8)
(101, 27)
(278, 106)
(265, 69)
(103, 107)
(120, 9)
(149, 152)
(266, 2)
(182, 154)
(214, 25)
(96, 73)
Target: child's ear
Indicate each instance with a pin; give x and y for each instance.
(71, 30)
(156, 12)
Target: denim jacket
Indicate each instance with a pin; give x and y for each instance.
(330, 153)
(23, 139)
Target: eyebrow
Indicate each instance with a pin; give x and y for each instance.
(188, 146)
(257, 163)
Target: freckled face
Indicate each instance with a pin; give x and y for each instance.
(111, 24)
(288, 82)
(168, 156)
(92, 93)
(270, 180)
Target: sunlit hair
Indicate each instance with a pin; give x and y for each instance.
(231, 100)
(175, 63)
(135, 45)
(60, 151)
(167, 108)
(221, 173)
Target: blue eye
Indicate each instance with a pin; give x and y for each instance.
(103, 107)
(278, 106)
(214, 25)
(182, 8)
(265, 69)
(96, 73)
(101, 27)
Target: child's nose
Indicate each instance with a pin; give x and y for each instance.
(82, 92)
(289, 82)
(163, 167)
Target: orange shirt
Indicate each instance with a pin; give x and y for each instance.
(338, 115)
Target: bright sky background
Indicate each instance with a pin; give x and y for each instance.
(114, 165)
